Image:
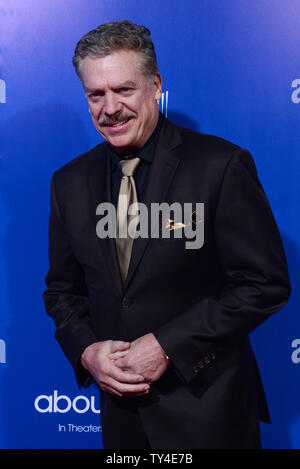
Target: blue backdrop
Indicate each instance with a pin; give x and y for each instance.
(230, 68)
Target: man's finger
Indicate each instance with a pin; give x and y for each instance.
(107, 388)
(120, 363)
(119, 345)
(112, 391)
(119, 354)
(126, 388)
(124, 376)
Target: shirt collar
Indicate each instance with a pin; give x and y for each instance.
(146, 153)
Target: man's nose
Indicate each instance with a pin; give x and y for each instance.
(111, 105)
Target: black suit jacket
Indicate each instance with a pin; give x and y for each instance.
(200, 304)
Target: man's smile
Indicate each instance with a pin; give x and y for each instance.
(116, 125)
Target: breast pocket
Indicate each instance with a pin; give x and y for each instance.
(189, 233)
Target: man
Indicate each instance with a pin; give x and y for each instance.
(162, 329)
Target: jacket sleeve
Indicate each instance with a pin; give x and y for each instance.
(253, 261)
(66, 297)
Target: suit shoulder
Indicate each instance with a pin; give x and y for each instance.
(201, 151)
(201, 148)
(208, 142)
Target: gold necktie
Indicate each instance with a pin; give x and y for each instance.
(127, 196)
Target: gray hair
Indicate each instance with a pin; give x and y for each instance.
(110, 37)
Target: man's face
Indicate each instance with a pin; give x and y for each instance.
(122, 101)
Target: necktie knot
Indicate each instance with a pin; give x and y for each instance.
(128, 166)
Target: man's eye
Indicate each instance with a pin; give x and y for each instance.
(91, 96)
(95, 95)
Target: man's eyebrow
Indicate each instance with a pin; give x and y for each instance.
(88, 90)
(126, 84)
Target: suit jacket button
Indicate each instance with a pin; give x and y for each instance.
(126, 303)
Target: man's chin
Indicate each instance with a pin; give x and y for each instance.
(121, 145)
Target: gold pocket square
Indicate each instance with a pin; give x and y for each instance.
(194, 220)
(172, 225)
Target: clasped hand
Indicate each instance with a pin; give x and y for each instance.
(125, 369)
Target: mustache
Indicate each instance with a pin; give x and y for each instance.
(117, 117)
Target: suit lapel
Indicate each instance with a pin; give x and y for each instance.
(99, 180)
(161, 174)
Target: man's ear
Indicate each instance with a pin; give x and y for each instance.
(158, 86)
